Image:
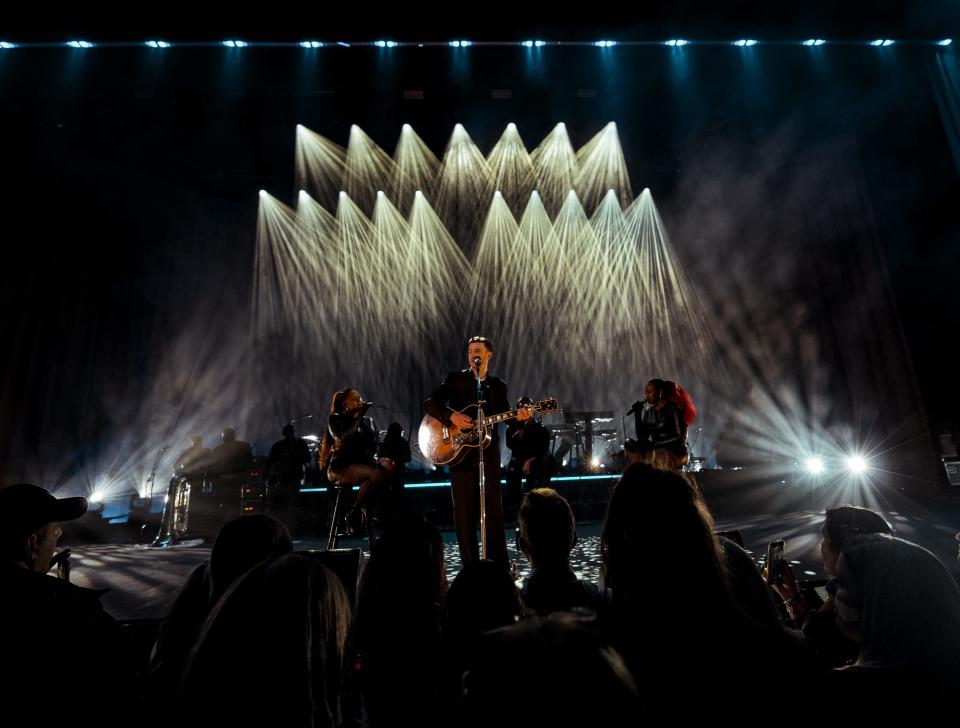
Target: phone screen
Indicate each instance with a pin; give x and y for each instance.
(775, 561)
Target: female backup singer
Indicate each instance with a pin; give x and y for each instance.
(662, 421)
(348, 450)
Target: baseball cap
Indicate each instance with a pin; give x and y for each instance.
(27, 508)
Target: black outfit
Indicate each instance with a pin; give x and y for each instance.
(457, 391)
(663, 428)
(397, 449)
(528, 440)
(59, 646)
(226, 475)
(230, 457)
(354, 442)
(284, 471)
(192, 463)
(393, 501)
(559, 590)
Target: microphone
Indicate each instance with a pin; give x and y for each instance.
(635, 407)
(476, 362)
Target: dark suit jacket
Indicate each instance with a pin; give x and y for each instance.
(457, 391)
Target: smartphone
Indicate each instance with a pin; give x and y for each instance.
(775, 561)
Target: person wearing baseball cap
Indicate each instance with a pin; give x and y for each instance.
(48, 623)
(30, 519)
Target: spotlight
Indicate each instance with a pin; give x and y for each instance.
(814, 42)
(454, 44)
(311, 44)
(460, 44)
(677, 42)
(79, 44)
(97, 497)
(814, 465)
(158, 44)
(385, 44)
(8, 46)
(303, 194)
(539, 43)
(263, 193)
(235, 44)
(595, 462)
(605, 43)
(342, 44)
(944, 42)
(528, 43)
(887, 43)
(856, 464)
(882, 42)
(746, 42)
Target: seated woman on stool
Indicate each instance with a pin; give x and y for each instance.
(348, 451)
(662, 422)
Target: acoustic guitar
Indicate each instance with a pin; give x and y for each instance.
(444, 445)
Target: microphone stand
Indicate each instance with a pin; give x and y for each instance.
(481, 433)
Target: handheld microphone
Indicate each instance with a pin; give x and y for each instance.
(476, 362)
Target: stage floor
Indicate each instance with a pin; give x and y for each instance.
(142, 580)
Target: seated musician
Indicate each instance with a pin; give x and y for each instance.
(348, 450)
(531, 461)
(662, 420)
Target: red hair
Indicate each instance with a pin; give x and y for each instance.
(673, 392)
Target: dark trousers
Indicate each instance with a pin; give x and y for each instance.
(465, 489)
(283, 505)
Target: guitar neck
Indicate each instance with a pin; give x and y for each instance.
(502, 417)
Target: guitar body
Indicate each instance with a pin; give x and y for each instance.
(449, 445)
